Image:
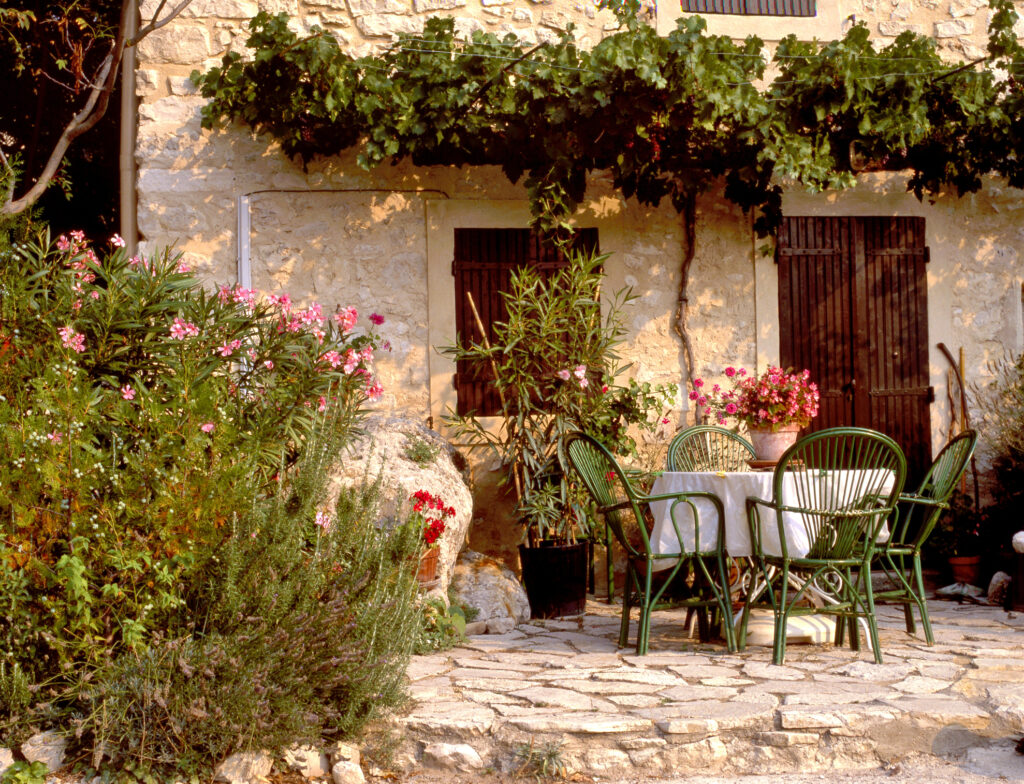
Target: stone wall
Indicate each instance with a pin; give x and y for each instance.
(342, 236)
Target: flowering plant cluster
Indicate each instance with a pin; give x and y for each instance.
(140, 414)
(773, 399)
(556, 364)
(428, 515)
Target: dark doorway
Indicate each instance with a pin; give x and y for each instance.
(853, 309)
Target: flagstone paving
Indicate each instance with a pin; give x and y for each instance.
(499, 700)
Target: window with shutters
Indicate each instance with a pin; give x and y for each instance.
(751, 7)
(483, 263)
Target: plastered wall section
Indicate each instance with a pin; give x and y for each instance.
(959, 27)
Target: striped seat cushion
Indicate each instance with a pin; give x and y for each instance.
(815, 629)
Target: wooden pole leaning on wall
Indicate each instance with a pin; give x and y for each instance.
(494, 369)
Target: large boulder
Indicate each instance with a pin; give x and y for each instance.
(411, 457)
(491, 587)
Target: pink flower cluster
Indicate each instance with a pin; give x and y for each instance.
(71, 339)
(182, 329)
(580, 372)
(774, 398)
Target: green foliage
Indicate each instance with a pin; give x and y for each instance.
(662, 116)
(556, 367)
(957, 532)
(1000, 406)
(541, 762)
(303, 630)
(24, 772)
(443, 625)
(421, 451)
(141, 417)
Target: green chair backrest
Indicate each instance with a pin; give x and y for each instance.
(936, 487)
(709, 448)
(842, 484)
(608, 486)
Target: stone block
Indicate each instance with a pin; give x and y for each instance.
(345, 772)
(184, 44)
(248, 766)
(427, 6)
(954, 28)
(310, 762)
(221, 9)
(371, 7)
(386, 25)
(452, 756)
(46, 747)
(6, 760)
(147, 81)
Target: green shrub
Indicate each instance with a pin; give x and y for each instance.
(142, 420)
(303, 630)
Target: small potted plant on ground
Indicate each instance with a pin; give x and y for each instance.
(957, 538)
(774, 406)
(555, 366)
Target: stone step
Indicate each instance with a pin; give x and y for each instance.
(563, 691)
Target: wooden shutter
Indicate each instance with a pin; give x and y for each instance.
(483, 264)
(853, 308)
(751, 7)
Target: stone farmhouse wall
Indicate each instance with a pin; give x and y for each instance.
(381, 240)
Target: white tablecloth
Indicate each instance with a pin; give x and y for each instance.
(733, 490)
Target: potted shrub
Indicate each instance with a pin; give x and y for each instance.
(957, 538)
(429, 515)
(774, 406)
(555, 366)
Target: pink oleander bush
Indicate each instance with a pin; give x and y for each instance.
(774, 399)
(158, 500)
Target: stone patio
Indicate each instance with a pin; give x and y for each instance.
(565, 685)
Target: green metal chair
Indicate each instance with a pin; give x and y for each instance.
(831, 494)
(709, 448)
(616, 499)
(900, 556)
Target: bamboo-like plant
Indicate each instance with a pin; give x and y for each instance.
(555, 365)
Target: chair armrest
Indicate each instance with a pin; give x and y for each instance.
(910, 498)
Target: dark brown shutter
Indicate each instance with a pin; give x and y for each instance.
(853, 309)
(484, 260)
(751, 7)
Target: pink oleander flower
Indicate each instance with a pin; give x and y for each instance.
(182, 329)
(117, 242)
(71, 339)
(346, 318)
(127, 392)
(376, 319)
(207, 427)
(564, 374)
(321, 404)
(375, 390)
(323, 520)
(228, 348)
(55, 437)
(268, 364)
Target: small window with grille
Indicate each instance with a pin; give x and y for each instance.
(751, 7)
(483, 264)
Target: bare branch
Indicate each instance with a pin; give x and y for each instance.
(91, 113)
(11, 174)
(95, 106)
(156, 22)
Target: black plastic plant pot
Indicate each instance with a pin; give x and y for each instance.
(555, 578)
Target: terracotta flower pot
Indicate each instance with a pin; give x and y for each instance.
(965, 568)
(770, 443)
(428, 566)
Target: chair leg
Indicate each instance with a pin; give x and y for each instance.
(922, 603)
(643, 632)
(781, 618)
(869, 595)
(627, 594)
(609, 564)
